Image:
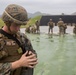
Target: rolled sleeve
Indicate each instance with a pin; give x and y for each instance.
(5, 68)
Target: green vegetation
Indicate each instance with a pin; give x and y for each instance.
(1, 23)
(30, 22)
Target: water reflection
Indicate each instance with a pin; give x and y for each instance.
(57, 55)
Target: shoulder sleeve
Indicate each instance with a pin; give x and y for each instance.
(5, 68)
(2, 44)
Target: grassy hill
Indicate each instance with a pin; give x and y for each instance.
(1, 23)
(30, 22)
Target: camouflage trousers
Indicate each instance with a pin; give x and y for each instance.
(61, 29)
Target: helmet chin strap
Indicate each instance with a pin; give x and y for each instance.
(8, 26)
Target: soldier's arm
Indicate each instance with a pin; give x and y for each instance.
(5, 68)
(25, 61)
(58, 24)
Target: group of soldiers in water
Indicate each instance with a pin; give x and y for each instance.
(34, 28)
(61, 25)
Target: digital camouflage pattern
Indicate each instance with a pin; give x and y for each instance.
(50, 24)
(15, 13)
(13, 50)
(10, 50)
(5, 68)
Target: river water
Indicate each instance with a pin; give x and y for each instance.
(56, 55)
(44, 29)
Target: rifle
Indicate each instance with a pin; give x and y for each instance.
(25, 47)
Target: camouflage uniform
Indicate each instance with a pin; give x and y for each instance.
(5, 68)
(61, 26)
(33, 29)
(65, 27)
(51, 25)
(37, 23)
(28, 29)
(10, 50)
(74, 30)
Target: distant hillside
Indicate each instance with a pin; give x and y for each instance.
(73, 13)
(33, 20)
(30, 15)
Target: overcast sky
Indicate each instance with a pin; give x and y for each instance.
(45, 6)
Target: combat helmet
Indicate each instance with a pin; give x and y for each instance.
(15, 13)
(60, 19)
(50, 19)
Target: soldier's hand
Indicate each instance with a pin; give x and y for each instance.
(28, 61)
(25, 61)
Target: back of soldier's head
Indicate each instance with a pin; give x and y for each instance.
(60, 19)
(50, 19)
(36, 20)
(15, 13)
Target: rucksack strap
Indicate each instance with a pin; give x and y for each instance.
(10, 37)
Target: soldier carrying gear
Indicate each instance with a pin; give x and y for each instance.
(74, 29)
(51, 25)
(65, 27)
(14, 47)
(37, 23)
(61, 26)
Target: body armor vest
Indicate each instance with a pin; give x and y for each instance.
(11, 49)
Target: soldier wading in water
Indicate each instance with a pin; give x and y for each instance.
(51, 26)
(61, 27)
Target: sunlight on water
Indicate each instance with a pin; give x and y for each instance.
(56, 56)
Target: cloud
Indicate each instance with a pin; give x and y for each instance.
(45, 6)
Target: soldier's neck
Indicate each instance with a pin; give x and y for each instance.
(5, 28)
